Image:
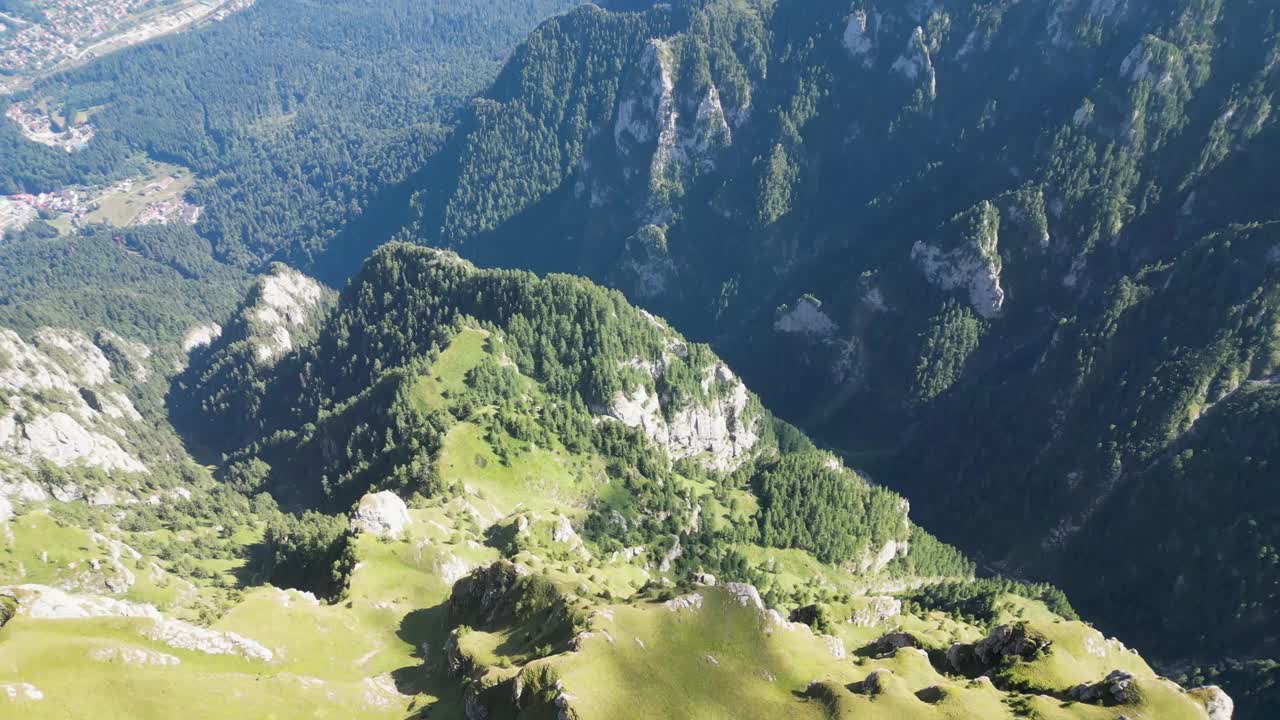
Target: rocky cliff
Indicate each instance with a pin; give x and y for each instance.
(63, 405)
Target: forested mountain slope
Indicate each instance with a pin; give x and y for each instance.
(293, 115)
(1011, 253)
(1015, 258)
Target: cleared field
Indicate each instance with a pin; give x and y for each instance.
(125, 202)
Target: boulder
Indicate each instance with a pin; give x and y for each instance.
(8, 608)
(961, 658)
(1016, 640)
(1217, 703)
(873, 684)
(811, 615)
(382, 514)
(1117, 688)
(933, 694)
(889, 643)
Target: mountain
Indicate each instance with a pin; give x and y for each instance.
(504, 495)
(292, 115)
(1017, 259)
(1013, 260)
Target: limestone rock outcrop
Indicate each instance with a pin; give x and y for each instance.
(285, 301)
(49, 603)
(59, 403)
(382, 514)
(719, 430)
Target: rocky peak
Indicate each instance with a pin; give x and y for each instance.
(972, 263)
(284, 302)
(678, 136)
(649, 108)
(916, 63)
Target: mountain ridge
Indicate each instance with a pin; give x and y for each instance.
(887, 186)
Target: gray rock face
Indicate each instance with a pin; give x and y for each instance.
(885, 555)
(806, 318)
(673, 554)
(859, 38)
(691, 601)
(64, 441)
(49, 603)
(647, 264)
(86, 417)
(974, 268)
(677, 135)
(382, 514)
(1217, 703)
(718, 431)
(916, 64)
(746, 595)
(200, 336)
(835, 646)
(960, 657)
(481, 597)
(973, 265)
(450, 568)
(134, 355)
(564, 534)
(8, 608)
(286, 301)
(78, 356)
(22, 490)
(877, 610)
